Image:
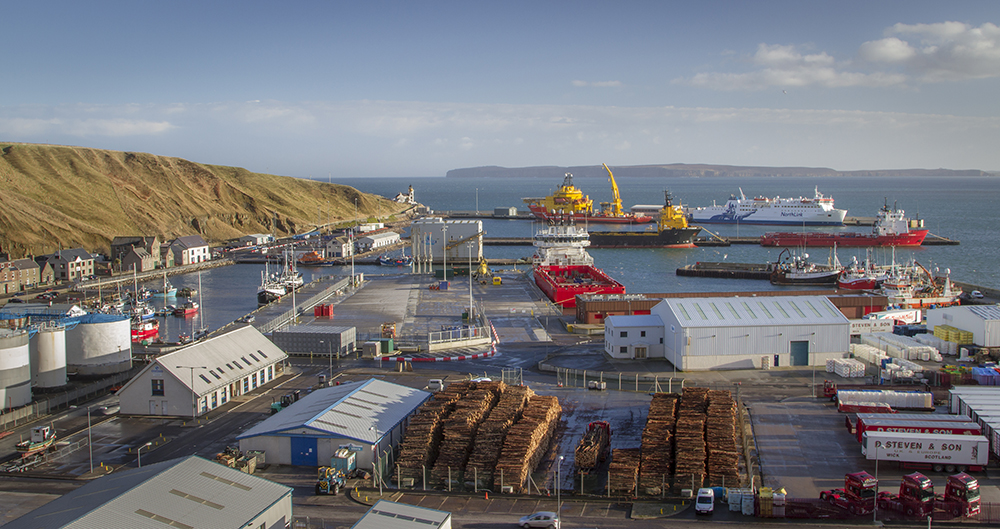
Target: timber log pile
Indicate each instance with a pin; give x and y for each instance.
(720, 436)
(657, 456)
(419, 447)
(689, 466)
(623, 472)
(493, 430)
(460, 429)
(526, 442)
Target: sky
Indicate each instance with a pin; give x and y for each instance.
(331, 89)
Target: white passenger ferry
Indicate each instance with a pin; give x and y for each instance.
(801, 211)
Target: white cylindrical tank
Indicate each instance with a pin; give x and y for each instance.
(101, 344)
(48, 357)
(15, 372)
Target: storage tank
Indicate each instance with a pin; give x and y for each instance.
(48, 357)
(101, 344)
(15, 373)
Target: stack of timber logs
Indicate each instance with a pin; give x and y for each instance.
(460, 429)
(689, 466)
(657, 457)
(623, 472)
(493, 431)
(526, 442)
(419, 447)
(720, 436)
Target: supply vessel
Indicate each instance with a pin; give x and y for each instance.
(569, 201)
(672, 231)
(563, 268)
(891, 228)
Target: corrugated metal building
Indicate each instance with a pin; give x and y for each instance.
(322, 340)
(187, 492)
(751, 332)
(209, 372)
(635, 337)
(983, 321)
(387, 514)
(368, 417)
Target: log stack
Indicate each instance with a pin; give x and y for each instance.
(689, 435)
(526, 442)
(419, 447)
(657, 455)
(623, 471)
(720, 438)
(493, 431)
(460, 430)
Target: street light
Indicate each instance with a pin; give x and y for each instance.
(875, 505)
(90, 444)
(470, 283)
(375, 468)
(139, 452)
(194, 394)
(330, 351)
(558, 490)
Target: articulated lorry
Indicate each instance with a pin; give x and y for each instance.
(916, 496)
(938, 452)
(857, 496)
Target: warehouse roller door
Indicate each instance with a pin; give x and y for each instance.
(799, 353)
(304, 451)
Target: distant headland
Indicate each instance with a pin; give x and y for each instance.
(694, 170)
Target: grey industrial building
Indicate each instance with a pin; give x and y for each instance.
(335, 340)
(183, 493)
(387, 514)
(983, 321)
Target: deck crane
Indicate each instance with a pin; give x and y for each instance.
(613, 208)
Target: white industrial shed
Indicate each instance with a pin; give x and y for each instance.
(187, 492)
(368, 416)
(983, 321)
(387, 514)
(209, 372)
(637, 337)
(751, 332)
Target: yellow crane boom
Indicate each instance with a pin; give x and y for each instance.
(616, 203)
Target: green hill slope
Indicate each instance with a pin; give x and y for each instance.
(53, 196)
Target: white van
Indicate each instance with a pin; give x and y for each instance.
(435, 384)
(705, 503)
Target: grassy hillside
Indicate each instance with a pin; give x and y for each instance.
(53, 196)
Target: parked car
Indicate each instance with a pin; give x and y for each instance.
(975, 294)
(705, 503)
(546, 519)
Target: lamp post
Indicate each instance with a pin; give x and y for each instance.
(875, 505)
(470, 283)
(330, 351)
(90, 443)
(139, 452)
(558, 490)
(352, 239)
(444, 251)
(194, 394)
(375, 467)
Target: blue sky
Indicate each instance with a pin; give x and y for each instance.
(359, 89)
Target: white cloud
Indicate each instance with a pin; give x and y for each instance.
(946, 51)
(887, 50)
(83, 127)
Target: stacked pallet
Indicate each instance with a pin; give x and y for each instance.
(526, 442)
(657, 455)
(689, 439)
(623, 472)
(720, 438)
(460, 429)
(493, 430)
(419, 447)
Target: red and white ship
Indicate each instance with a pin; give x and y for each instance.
(563, 268)
(862, 276)
(891, 228)
(915, 287)
(144, 329)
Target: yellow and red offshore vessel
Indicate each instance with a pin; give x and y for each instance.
(569, 202)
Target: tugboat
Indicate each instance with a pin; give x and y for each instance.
(672, 231)
(563, 268)
(569, 201)
(42, 438)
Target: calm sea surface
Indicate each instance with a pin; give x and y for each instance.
(966, 209)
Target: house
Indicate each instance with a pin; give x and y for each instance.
(9, 282)
(255, 239)
(341, 247)
(375, 241)
(637, 337)
(28, 273)
(166, 256)
(185, 492)
(139, 260)
(69, 265)
(122, 246)
(367, 416)
(190, 249)
(209, 372)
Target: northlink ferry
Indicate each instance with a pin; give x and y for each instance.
(801, 211)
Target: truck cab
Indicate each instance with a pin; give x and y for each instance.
(915, 498)
(857, 496)
(961, 496)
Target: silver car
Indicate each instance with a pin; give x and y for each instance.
(546, 519)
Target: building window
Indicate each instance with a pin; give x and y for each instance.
(204, 404)
(623, 334)
(642, 334)
(623, 349)
(157, 387)
(253, 380)
(661, 340)
(270, 373)
(222, 393)
(215, 399)
(246, 384)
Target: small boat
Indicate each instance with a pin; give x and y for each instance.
(188, 308)
(187, 292)
(42, 438)
(144, 329)
(402, 260)
(313, 258)
(143, 312)
(797, 270)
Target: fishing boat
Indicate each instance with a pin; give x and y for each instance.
(891, 228)
(143, 330)
(800, 211)
(569, 201)
(42, 438)
(143, 312)
(797, 270)
(672, 231)
(563, 268)
(188, 308)
(401, 260)
(915, 287)
(862, 276)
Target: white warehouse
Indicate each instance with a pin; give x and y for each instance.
(734, 333)
(983, 321)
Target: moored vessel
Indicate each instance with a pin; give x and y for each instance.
(563, 268)
(797, 270)
(144, 329)
(914, 287)
(891, 228)
(672, 231)
(401, 260)
(188, 308)
(569, 201)
(42, 437)
(800, 211)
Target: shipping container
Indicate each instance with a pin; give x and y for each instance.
(891, 424)
(940, 452)
(897, 400)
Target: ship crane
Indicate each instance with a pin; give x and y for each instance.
(616, 202)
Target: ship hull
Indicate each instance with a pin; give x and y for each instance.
(766, 221)
(805, 279)
(561, 284)
(858, 283)
(265, 296)
(145, 331)
(673, 238)
(843, 240)
(581, 217)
